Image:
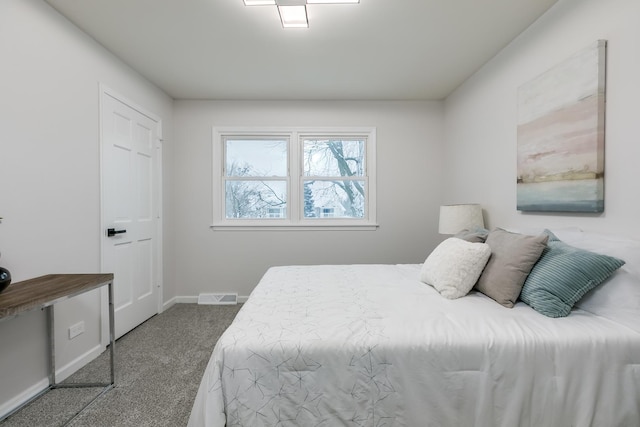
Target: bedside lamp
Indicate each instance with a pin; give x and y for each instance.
(455, 218)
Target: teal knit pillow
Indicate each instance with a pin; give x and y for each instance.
(562, 276)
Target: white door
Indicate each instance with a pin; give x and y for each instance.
(129, 214)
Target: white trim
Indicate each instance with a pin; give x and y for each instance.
(296, 221)
(294, 227)
(26, 395)
(105, 90)
(77, 363)
(104, 290)
(186, 299)
(61, 374)
(159, 218)
(167, 305)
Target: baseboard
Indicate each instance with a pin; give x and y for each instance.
(194, 299)
(13, 403)
(61, 374)
(67, 370)
(168, 304)
(186, 299)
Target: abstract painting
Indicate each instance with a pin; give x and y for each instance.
(561, 136)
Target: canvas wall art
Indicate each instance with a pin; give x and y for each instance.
(561, 136)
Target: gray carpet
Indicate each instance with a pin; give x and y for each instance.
(158, 369)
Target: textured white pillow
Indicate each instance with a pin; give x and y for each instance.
(454, 266)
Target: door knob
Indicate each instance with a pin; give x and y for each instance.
(112, 232)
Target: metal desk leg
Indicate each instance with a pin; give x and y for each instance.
(112, 342)
(52, 346)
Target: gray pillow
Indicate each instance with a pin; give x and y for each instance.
(476, 235)
(512, 258)
(563, 275)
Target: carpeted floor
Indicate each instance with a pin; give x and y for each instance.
(158, 369)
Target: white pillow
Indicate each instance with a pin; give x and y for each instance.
(454, 266)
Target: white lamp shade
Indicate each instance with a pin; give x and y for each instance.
(455, 218)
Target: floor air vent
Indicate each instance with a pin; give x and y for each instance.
(218, 299)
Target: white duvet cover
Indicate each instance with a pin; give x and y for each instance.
(371, 345)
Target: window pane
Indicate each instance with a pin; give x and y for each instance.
(331, 157)
(334, 199)
(256, 157)
(255, 199)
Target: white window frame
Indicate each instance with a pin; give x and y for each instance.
(295, 198)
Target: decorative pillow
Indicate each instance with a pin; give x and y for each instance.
(512, 258)
(618, 297)
(476, 235)
(454, 266)
(563, 275)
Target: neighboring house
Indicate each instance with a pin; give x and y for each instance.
(322, 212)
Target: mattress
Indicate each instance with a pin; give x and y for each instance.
(371, 345)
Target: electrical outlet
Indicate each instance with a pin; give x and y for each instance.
(75, 330)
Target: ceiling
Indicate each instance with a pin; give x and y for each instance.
(374, 50)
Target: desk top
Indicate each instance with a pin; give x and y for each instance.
(47, 290)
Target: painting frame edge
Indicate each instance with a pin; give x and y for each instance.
(560, 154)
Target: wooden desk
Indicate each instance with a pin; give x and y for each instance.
(42, 293)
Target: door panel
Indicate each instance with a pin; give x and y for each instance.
(142, 287)
(145, 188)
(128, 147)
(122, 270)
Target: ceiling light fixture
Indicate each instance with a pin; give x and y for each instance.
(259, 2)
(293, 16)
(332, 1)
(293, 13)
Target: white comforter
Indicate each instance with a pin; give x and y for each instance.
(370, 345)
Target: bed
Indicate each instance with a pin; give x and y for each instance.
(372, 345)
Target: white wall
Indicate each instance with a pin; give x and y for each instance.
(49, 152)
(480, 117)
(50, 178)
(409, 149)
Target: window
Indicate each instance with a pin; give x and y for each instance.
(334, 177)
(255, 177)
(294, 178)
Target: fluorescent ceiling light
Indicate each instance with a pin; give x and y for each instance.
(291, 2)
(259, 2)
(293, 16)
(297, 2)
(331, 1)
(293, 13)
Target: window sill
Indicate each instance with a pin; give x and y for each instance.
(295, 227)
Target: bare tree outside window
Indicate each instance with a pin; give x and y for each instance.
(253, 198)
(334, 171)
(256, 186)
